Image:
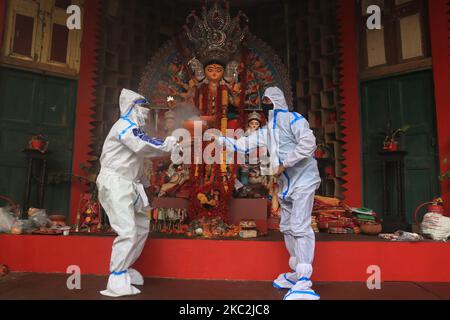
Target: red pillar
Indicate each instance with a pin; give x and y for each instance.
(350, 102)
(85, 97)
(440, 43)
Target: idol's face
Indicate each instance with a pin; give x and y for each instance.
(254, 125)
(214, 72)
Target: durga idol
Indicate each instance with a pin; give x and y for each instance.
(216, 40)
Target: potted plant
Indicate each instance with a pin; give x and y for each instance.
(38, 143)
(392, 138)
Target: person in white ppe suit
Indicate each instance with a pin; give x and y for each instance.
(291, 144)
(121, 192)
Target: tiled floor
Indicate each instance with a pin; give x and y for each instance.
(49, 287)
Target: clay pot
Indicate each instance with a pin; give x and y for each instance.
(37, 145)
(392, 146)
(371, 229)
(58, 220)
(357, 230)
(4, 270)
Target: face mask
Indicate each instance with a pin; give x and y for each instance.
(142, 116)
(267, 107)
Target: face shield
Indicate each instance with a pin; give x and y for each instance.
(142, 113)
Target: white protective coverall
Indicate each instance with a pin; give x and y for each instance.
(290, 142)
(121, 184)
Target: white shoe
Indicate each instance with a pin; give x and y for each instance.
(136, 278)
(131, 292)
(285, 281)
(119, 285)
(302, 292)
(304, 295)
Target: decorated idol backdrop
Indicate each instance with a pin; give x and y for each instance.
(216, 71)
(168, 73)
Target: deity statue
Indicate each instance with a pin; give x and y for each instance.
(177, 176)
(216, 70)
(255, 174)
(216, 39)
(217, 95)
(250, 174)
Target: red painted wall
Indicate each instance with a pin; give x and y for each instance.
(440, 43)
(350, 93)
(231, 260)
(350, 102)
(85, 97)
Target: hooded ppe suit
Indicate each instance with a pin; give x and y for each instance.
(121, 184)
(290, 142)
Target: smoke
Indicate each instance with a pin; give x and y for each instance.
(184, 112)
